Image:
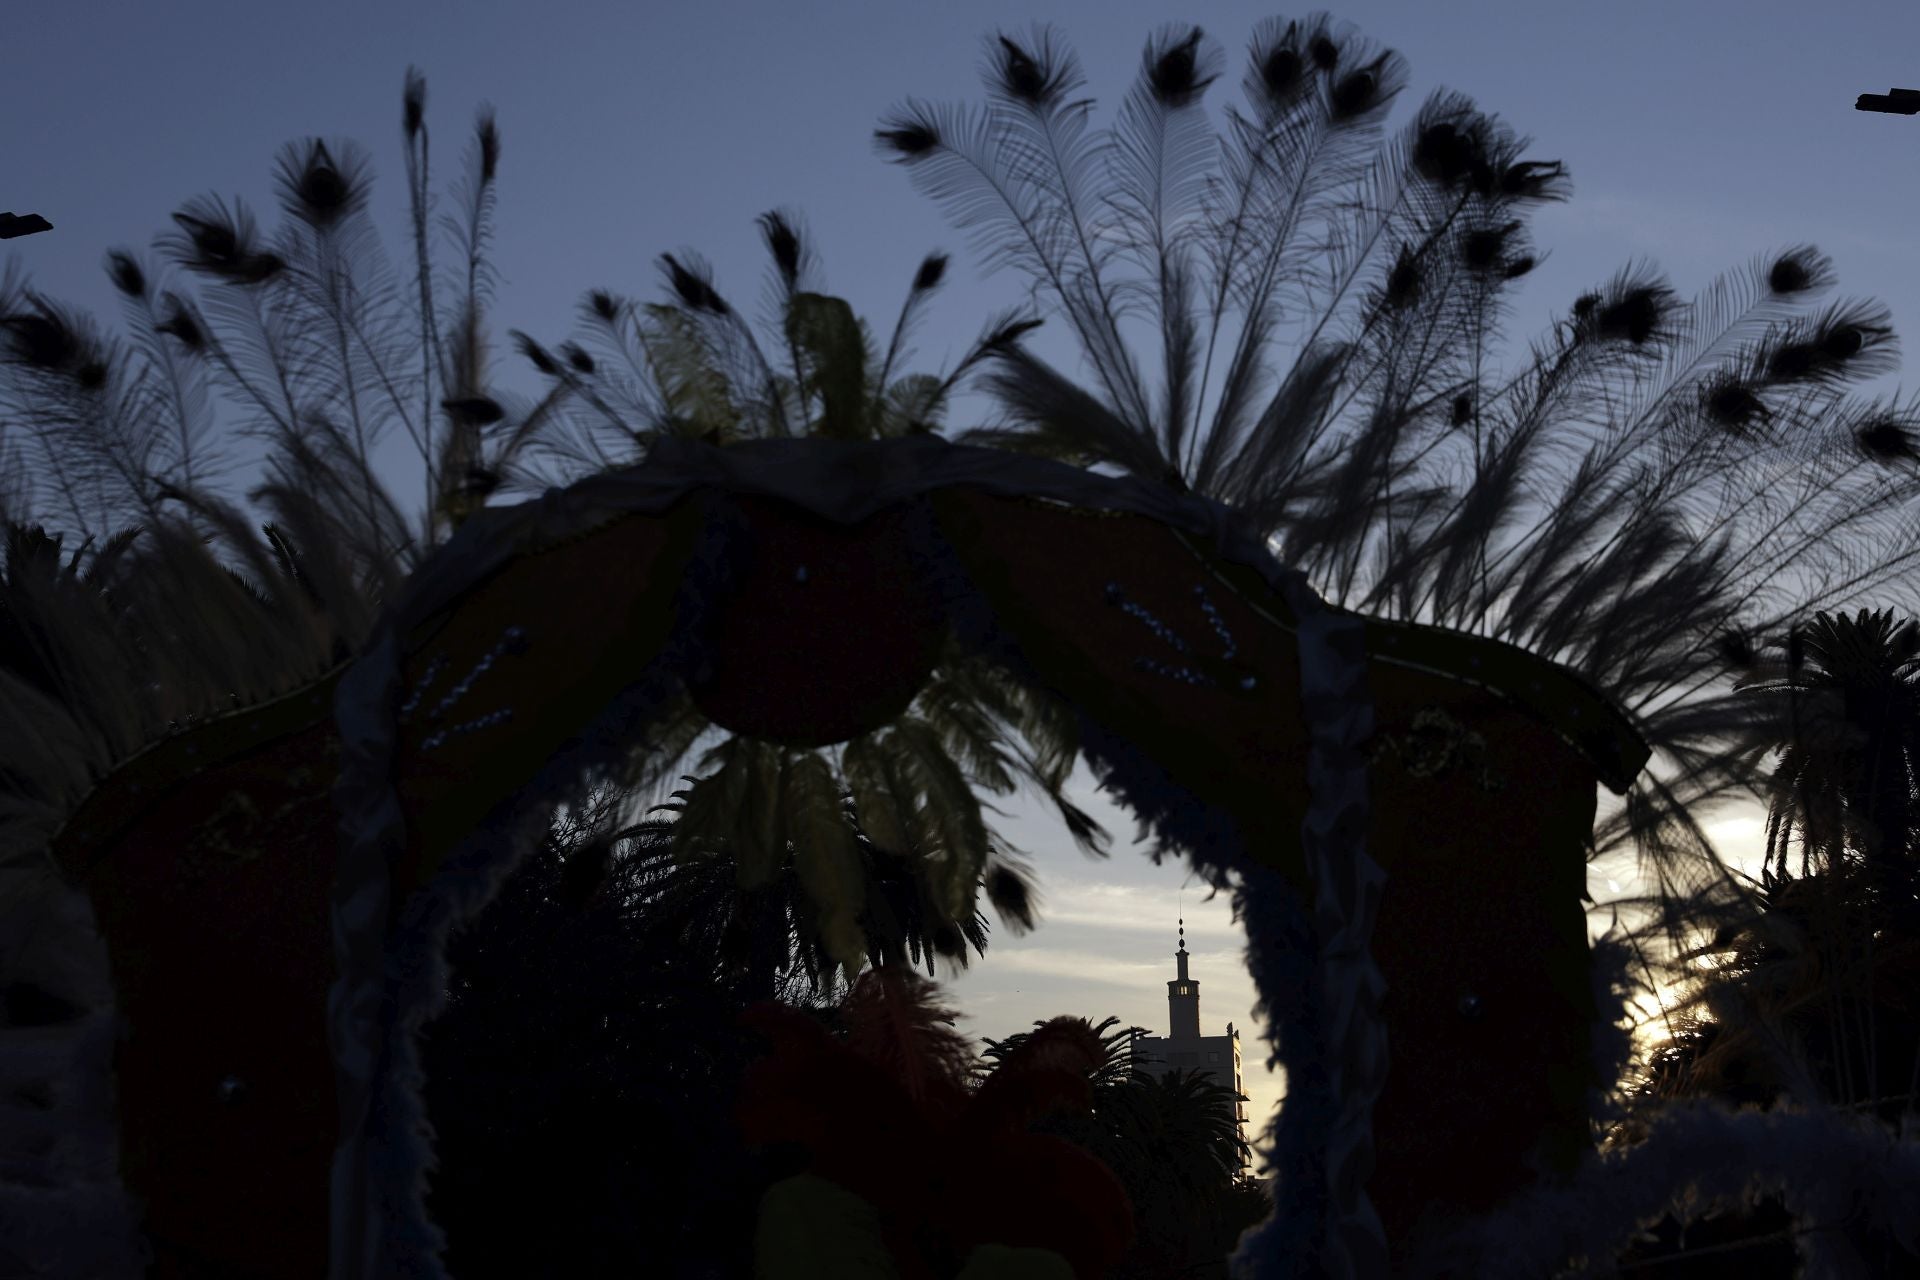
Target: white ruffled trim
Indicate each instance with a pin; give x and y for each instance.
(63, 1209)
(1347, 884)
(1699, 1157)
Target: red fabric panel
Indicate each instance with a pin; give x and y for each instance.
(215, 912)
(831, 633)
(1482, 902)
(1046, 567)
(594, 611)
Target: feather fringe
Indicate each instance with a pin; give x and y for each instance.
(1697, 1158)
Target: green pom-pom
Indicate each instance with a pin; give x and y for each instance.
(998, 1262)
(812, 1229)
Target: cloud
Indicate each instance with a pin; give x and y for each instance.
(1133, 907)
(1081, 966)
(1742, 841)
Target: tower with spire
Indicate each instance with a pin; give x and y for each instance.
(1183, 995)
(1184, 1048)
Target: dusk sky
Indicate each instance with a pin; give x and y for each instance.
(1698, 134)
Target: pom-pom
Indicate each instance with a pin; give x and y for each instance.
(1733, 405)
(317, 188)
(908, 137)
(487, 133)
(1444, 153)
(537, 354)
(1886, 442)
(1033, 79)
(124, 270)
(1282, 72)
(480, 411)
(413, 102)
(783, 242)
(1791, 273)
(1403, 282)
(933, 268)
(182, 326)
(1634, 317)
(1173, 73)
(1482, 247)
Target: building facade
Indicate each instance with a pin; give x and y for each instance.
(1185, 1049)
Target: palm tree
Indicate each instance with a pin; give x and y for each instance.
(1657, 483)
(1846, 776)
(1182, 1142)
(1809, 997)
(1806, 1001)
(770, 929)
(579, 1084)
(1820, 966)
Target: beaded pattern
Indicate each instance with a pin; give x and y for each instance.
(1435, 746)
(486, 721)
(513, 642)
(1186, 674)
(434, 668)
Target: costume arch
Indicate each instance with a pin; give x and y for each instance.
(1403, 813)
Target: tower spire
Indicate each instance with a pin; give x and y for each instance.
(1183, 993)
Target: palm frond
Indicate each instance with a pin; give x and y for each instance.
(825, 854)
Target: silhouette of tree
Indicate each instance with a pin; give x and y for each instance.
(770, 929)
(585, 1067)
(1851, 694)
(1807, 1001)
(1810, 998)
(1809, 994)
(579, 1084)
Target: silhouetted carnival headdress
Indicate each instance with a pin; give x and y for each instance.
(250, 800)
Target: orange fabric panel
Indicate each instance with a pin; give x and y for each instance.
(1046, 567)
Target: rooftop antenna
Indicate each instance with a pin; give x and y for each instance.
(12, 226)
(1894, 102)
